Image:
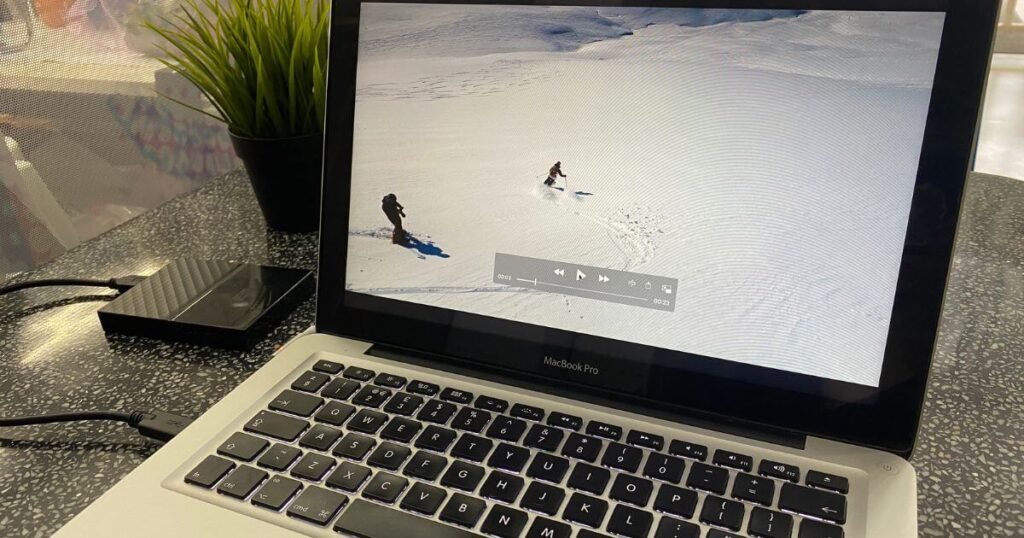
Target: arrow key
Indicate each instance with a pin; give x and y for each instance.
(813, 502)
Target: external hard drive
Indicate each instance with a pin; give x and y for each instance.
(214, 303)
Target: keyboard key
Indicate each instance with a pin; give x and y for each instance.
(719, 533)
(775, 469)
(546, 528)
(436, 438)
(340, 389)
(390, 380)
(456, 395)
(676, 501)
(582, 447)
(437, 412)
(506, 429)
(548, 468)
(645, 440)
(667, 468)
(276, 425)
(688, 450)
(424, 388)
(504, 522)
(367, 421)
(311, 381)
(335, 413)
(279, 457)
(509, 458)
(426, 465)
(816, 529)
(632, 490)
(209, 471)
(296, 403)
(313, 466)
(328, 367)
(401, 429)
(630, 522)
(831, 482)
(462, 510)
(371, 520)
(671, 527)
(320, 437)
(586, 533)
(359, 374)
(385, 487)
(472, 448)
(242, 447)
(389, 456)
(241, 482)
(622, 457)
(423, 499)
(317, 505)
(562, 420)
(589, 478)
(768, 524)
(528, 412)
(544, 438)
(354, 446)
(585, 510)
(708, 478)
(733, 460)
(604, 431)
(462, 475)
(471, 420)
(813, 502)
(723, 513)
(276, 492)
(502, 487)
(371, 396)
(348, 476)
(543, 498)
(489, 403)
(752, 488)
(404, 404)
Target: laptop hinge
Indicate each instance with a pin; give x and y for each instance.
(597, 397)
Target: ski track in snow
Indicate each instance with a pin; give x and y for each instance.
(631, 229)
(500, 76)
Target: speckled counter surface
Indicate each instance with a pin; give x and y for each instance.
(54, 357)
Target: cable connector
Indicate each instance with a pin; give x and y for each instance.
(161, 426)
(125, 283)
(153, 424)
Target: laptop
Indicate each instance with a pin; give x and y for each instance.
(588, 269)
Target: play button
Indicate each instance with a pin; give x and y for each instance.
(580, 275)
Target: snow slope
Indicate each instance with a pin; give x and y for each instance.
(766, 164)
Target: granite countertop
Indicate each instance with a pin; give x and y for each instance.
(54, 357)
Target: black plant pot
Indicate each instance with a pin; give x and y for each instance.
(285, 174)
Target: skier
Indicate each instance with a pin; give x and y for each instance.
(555, 171)
(395, 212)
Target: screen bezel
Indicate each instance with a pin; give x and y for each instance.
(884, 418)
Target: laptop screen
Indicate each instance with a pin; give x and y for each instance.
(728, 183)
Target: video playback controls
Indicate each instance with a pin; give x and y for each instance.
(622, 287)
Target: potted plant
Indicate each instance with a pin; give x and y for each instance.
(262, 64)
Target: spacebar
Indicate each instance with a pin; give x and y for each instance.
(368, 520)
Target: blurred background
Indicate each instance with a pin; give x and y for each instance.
(88, 143)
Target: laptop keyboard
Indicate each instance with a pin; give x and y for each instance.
(376, 455)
